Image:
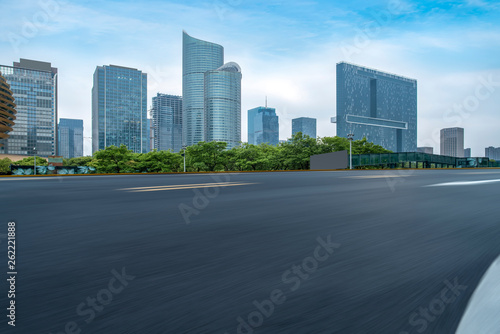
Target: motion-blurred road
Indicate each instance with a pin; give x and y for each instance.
(291, 252)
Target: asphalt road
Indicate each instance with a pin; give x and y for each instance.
(294, 252)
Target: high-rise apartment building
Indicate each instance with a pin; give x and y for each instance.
(467, 153)
(492, 152)
(166, 116)
(263, 126)
(34, 87)
(70, 137)
(198, 57)
(306, 125)
(119, 108)
(452, 142)
(223, 105)
(377, 105)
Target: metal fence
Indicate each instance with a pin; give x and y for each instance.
(419, 160)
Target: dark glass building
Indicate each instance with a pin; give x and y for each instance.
(306, 125)
(377, 105)
(166, 116)
(119, 108)
(223, 105)
(34, 88)
(70, 137)
(263, 126)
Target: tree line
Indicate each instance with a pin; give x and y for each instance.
(293, 154)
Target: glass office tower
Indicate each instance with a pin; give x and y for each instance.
(379, 106)
(34, 87)
(167, 122)
(223, 105)
(198, 57)
(70, 137)
(306, 125)
(119, 108)
(263, 126)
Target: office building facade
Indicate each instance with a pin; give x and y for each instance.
(452, 142)
(306, 125)
(34, 88)
(467, 153)
(70, 138)
(222, 106)
(119, 108)
(377, 105)
(263, 126)
(198, 57)
(166, 117)
(492, 152)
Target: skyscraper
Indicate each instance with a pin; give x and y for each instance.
(263, 126)
(70, 137)
(167, 122)
(198, 57)
(492, 152)
(306, 125)
(34, 88)
(119, 108)
(7, 110)
(379, 106)
(467, 153)
(223, 104)
(452, 142)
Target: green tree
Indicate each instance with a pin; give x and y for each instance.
(114, 160)
(78, 161)
(159, 162)
(30, 161)
(206, 156)
(4, 165)
(298, 150)
(363, 146)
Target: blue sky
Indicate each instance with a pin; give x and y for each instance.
(287, 50)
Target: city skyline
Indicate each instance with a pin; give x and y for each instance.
(418, 40)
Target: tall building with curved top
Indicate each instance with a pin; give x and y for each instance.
(223, 104)
(7, 109)
(198, 57)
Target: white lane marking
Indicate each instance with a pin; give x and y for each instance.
(481, 314)
(463, 183)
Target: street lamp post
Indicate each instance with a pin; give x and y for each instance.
(34, 156)
(184, 155)
(350, 138)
